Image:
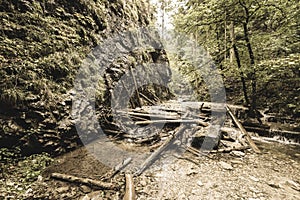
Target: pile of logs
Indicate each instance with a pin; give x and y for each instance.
(180, 118)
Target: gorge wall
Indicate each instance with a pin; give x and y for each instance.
(43, 44)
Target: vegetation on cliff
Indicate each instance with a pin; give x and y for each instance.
(42, 46)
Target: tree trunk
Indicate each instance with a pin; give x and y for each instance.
(232, 36)
(225, 38)
(238, 61)
(220, 58)
(235, 53)
(253, 72)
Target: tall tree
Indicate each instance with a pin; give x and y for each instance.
(258, 31)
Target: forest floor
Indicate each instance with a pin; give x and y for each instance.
(273, 174)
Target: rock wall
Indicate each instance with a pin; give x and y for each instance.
(42, 46)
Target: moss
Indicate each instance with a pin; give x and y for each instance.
(42, 46)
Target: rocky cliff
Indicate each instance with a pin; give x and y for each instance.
(43, 44)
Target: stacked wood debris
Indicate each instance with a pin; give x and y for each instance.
(152, 124)
(194, 118)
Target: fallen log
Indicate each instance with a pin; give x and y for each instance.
(242, 129)
(86, 181)
(116, 169)
(152, 115)
(147, 99)
(129, 189)
(150, 160)
(173, 121)
(226, 150)
(195, 151)
(163, 115)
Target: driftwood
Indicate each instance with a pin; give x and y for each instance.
(195, 151)
(147, 99)
(204, 153)
(242, 129)
(228, 150)
(116, 169)
(158, 151)
(154, 115)
(86, 181)
(173, 121)
(129, 189)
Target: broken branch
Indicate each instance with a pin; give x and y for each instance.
(86, 181)
(173, 121)
(242, 129)
(129, 189)
(117, 169)
(154, 155)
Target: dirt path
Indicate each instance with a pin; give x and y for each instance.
(271, 175)
(274, 174)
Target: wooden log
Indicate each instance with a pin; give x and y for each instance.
(150, 160)
(172, 113)
(173, 121)
(194, 151)
(242, 129)
(147, 139)
(228, 150)
(147, 99)
(129, 189)
(116, 169)
(134, 117)
(158, 114)
(167, 116)
(87, 181)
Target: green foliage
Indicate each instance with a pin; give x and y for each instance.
(280, 78)
(18, 175)
(8, 155)
(31, 167)
(270, 28)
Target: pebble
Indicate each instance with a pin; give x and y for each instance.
(191, 172)
(253, 178)
(143, 183)
(226, 166)
(40, 178)
(62, 189)
(274, 185)
(293, 185)
(10, 183)
(237, 153)
(252, 189)
(85, 189)
(199, 183)
(86, 197)
(97, 195)
(28, 191)
(238, 162)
